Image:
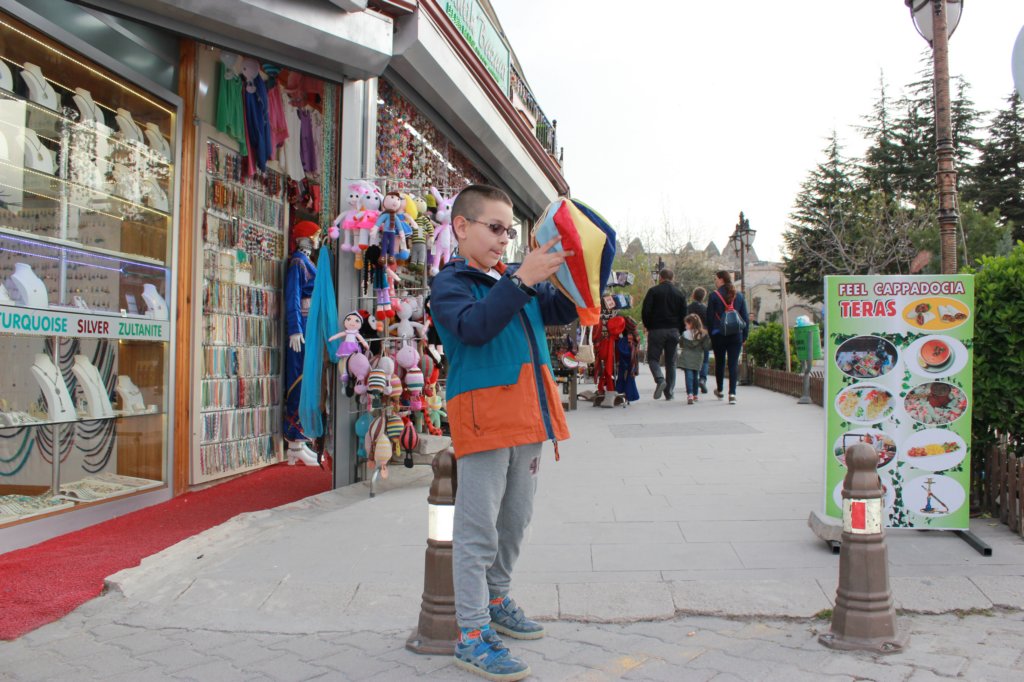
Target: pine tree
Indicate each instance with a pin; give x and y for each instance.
(915, 133)
(882, 160)
(827, 198)
(1000, 172)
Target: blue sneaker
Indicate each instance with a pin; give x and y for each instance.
(508, 619)
(482, 652)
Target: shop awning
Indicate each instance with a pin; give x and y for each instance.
(316, 36)
(426, 61)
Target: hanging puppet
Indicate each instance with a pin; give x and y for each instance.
(353, 343)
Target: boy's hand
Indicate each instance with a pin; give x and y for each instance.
(541, 263)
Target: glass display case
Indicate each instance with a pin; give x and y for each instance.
(86, 200)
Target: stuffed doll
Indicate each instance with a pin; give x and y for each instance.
(409, 440)
(442, 249)
(422, 234)
(363, 222)
(405, 328)
(353, 342)
(378, 445)
(605, 360)
(345, 220)
(357, 369)
(362, 427)
(628, 366)
(390, 225)
(435, 410)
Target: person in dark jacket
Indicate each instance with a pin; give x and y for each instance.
(699, 308)
(663, 311)
(726, 347)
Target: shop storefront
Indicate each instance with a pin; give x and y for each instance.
(147, 263)
(89, 180)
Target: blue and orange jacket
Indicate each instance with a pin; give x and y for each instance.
(500, 389)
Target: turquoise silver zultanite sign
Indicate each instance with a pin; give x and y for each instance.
(899, 354)
(471, 21)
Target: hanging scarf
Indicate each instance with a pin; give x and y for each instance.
(321, 324)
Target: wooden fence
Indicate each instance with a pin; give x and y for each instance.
(999, 486)
(790, 383)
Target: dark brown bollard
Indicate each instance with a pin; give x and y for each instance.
(437, 629)
(864, 618)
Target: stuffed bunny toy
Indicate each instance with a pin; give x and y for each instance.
(370, 202)
(406, 328)
(443, 235)
(346, 219)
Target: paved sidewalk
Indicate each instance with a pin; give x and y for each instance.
(662, 519)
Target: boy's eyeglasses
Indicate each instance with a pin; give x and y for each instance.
(496, 228)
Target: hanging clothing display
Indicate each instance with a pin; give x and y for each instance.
(278, 124)
(257, 120)
(310, 163)
(230, 119)
(321, 323)
(291, 151)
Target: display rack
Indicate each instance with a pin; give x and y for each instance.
(240, 264)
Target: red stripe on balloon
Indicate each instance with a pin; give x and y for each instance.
(571, 242)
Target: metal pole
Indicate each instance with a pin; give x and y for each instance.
(437, 629)
(864, 618)
(785, 319)
(946, 173)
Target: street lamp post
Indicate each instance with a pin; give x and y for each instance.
(740, 241)
(936, 20)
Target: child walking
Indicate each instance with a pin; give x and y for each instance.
(694, 344)
(503, 404)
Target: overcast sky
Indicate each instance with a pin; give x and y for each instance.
(702, 109)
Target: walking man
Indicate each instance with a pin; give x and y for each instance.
(698, 308)
(663, 312)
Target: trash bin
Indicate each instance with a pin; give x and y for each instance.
(808, 342)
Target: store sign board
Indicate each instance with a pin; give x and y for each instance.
(899, 354)
(17, 320)
(471, 21)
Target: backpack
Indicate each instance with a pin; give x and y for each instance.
(730, 323)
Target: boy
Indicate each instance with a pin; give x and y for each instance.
(502, 405)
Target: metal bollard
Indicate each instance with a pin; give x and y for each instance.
(864, 618)
(437, 629)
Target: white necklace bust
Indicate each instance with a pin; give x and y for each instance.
(59, 407)
(91, 383)
(37, 156)
(157, 142)
(25, 287)
(129, 128)
(39, 90)
(130, 395)
(6, 77)
(88, 110)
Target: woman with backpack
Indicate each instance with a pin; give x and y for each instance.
(728, 324)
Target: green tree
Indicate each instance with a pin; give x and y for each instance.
(883, 159)
(999, 175)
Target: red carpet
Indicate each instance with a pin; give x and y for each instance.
(42, 583)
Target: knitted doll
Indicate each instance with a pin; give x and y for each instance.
(442, 249)
(390, 224)
(353, 342)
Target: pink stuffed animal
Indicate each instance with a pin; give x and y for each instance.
(442, 250)
(345, 220)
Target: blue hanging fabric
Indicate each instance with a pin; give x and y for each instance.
(321, 324)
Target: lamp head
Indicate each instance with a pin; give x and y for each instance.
(921, 12)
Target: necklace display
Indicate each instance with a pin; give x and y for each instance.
(157, 142)
(97, 401)
(25, 287)
(129, 128)
(88, 111)
(37, 156)
(58, 401)
(130, 395)
(6, 77)
(39, 90)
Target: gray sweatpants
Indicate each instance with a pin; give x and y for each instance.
(493, 506)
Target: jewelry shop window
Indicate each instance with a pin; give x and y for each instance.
(86, 189)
